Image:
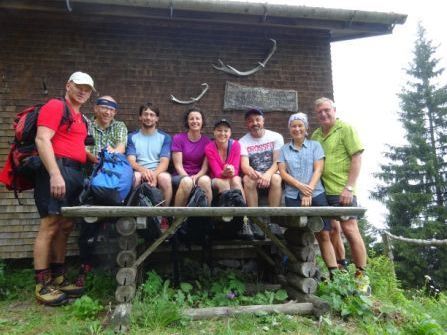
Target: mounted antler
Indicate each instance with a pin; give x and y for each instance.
(231, 70)
(193, 100)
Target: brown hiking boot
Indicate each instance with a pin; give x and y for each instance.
(48, 295)
(72, 290)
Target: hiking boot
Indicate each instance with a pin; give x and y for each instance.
(258, 234)
(343, 264)
(72, 290)
(276, 230)
(362, 283)
(245, 233)
(48, 295)
(82, 276)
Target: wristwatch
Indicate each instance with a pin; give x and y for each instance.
(349, 188)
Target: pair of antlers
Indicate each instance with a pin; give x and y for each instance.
(230, 70)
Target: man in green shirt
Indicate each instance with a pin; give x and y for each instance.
(108, 133)
(343, 152)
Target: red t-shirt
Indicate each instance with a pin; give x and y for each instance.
(69, 144)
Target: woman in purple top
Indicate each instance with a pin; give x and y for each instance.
(188, 156)
(224, 157)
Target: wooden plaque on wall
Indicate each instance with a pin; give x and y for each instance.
(239, 97)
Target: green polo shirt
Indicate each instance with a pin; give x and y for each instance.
(339, 145)
(113, 135)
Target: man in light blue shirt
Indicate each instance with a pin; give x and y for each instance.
(149, 152)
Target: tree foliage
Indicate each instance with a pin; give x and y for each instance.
(413, 180)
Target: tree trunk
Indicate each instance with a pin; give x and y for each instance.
(301, 237)
(306, 269)
(124, 293)
(303, 254)
(305, 285)
(321, 307)
(291, 308)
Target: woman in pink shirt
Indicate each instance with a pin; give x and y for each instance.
(224, 156)
(188, 156)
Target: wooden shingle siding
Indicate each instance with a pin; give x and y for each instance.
(139, 60)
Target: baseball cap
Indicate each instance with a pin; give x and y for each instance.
(222, 121)
(251, 111)
(81, 78)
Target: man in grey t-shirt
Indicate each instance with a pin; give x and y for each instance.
(259, 155)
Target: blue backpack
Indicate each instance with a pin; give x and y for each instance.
(111, 180)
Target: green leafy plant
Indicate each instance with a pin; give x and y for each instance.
(100, 285)
(341, 294)
(3, 290)
(85, 308)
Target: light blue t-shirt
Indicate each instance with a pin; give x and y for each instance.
(148, 149)
(300, 165)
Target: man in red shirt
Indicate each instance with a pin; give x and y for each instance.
(60, 143)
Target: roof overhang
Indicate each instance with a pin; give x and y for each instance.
(341, 24)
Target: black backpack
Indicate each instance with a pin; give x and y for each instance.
(148, 196)
(196, 230)
(228, 230)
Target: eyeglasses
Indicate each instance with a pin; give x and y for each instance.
(324, 110)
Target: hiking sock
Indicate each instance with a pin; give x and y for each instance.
(331, 271)
(57, 269)
(42, 276)
(343, 263)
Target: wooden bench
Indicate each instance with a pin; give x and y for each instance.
(300, 222)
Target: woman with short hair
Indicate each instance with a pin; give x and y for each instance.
(188, 156)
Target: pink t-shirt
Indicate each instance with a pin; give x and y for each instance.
(193, 153)
(215, 162)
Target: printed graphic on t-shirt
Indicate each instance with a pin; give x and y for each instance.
(261, 156)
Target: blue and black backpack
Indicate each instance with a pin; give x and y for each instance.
(110, 182)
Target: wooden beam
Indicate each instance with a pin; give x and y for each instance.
(171, 230)
(130, 211)
(291, 308)
(274, 239)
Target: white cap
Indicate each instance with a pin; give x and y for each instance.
(81, 78)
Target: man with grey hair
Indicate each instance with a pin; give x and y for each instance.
(343, 151)
(111, 135)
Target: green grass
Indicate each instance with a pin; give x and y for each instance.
(157, 309)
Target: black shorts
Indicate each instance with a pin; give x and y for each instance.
(73, 175)
(334, 200)
(319, 201)
(175, 180)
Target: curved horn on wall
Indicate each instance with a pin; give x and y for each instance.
(193, 100)
(231, 70)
